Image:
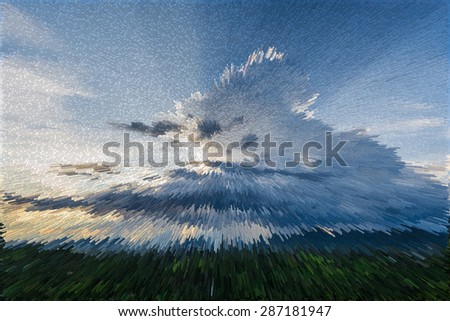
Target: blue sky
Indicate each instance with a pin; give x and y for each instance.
(379, 65)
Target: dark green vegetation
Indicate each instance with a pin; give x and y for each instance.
(28, 273)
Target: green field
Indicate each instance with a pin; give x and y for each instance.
(28, 273)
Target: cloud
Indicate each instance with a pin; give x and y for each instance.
(20, 27)
(137, 208)
(404, 126)
(303, 107)
(41, 77)
(415, 106)
(36, 122)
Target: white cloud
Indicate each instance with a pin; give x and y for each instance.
(37, 125)
(303, 106)
(415, 106)
(20, 27)
(409, 125)
(40, 77)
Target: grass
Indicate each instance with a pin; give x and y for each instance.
(28, 273)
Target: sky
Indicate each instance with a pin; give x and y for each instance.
(377, 65)
(71, 70)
